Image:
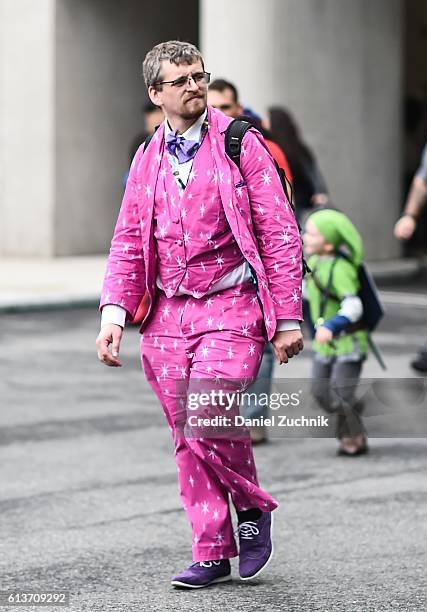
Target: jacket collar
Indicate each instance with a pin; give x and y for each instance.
(218, 119)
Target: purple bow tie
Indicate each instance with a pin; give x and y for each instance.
(182, 148)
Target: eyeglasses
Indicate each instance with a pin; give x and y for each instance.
(200, 78)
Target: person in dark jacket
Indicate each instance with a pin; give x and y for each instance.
(309, 186)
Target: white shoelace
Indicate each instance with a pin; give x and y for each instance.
(248, 530)
(207, 563)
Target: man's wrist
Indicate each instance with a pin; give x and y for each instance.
(113, 314)
(110, 323)
(287, 325)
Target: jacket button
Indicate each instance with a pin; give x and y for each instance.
(178, 242)
(175, 220)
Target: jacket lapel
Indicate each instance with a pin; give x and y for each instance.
(148, 174)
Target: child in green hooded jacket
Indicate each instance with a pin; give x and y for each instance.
(335, 250)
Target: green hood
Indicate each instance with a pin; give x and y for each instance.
(337, 229)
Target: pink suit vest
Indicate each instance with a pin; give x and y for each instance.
(194, 243)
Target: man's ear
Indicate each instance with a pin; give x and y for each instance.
(154, 95)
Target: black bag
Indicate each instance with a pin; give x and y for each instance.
(234, 135)
(373, 310)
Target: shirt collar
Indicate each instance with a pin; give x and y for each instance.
(193, 132)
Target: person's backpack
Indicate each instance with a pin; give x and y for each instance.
(373, 310)
(234, 135)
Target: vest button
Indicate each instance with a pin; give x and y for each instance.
(178, 242)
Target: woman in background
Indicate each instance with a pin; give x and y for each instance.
(309, 187)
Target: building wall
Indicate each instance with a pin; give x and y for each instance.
(100, 45)
(337, 64)
(27, 100)
(71, 90)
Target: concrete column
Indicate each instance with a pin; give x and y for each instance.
(336, 64)
(100, 45)
(71, 90)
(27, 121)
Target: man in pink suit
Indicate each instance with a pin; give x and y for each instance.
(195, 233)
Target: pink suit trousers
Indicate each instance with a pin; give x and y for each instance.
(218, 338)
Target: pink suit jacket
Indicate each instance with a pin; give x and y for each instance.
(257, 211)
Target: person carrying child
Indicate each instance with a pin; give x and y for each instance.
(335, 251)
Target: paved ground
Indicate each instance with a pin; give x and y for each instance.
(89, 500)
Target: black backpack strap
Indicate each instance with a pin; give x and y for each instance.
(234, 135)
(287, 187)
(323, 290)
(149, 137)
(326, 293)
(148, 140)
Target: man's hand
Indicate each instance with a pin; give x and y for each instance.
(417, 198)
(405, 227)
(286, 344)
(109, 334)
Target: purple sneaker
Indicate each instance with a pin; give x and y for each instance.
(202, 574)
(256, 546)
